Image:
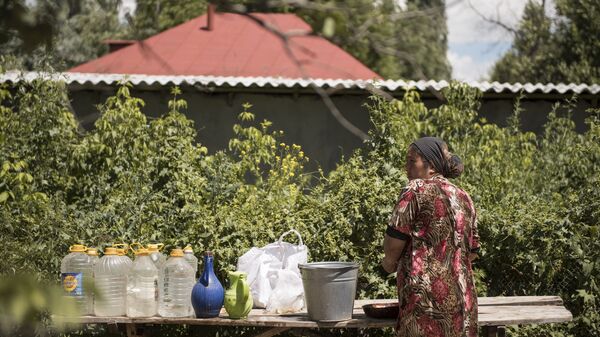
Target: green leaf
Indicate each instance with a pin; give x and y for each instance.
(328, 27)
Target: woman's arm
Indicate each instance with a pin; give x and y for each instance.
(392, 249)
(400, 226)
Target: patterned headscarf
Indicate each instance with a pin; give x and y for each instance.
(432, 149)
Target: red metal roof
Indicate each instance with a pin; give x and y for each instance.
(237, 46)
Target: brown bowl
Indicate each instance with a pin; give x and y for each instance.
(381, 310)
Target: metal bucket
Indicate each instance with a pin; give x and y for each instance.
(329, 289)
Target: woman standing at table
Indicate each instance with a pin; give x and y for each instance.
(430, 242)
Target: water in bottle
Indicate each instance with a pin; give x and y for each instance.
(176, 280)
(189, 256)
(157, 257)
(110, 273)
(142, 290)
(93, 254)
(76, 272)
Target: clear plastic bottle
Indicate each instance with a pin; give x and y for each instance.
(176, 281)
(93, 254)
(121, 252)
(188, 254)
(110, 274)
(76, 273)
(142, 289)
(157, 257)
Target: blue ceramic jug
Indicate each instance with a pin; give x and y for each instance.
(208, 293)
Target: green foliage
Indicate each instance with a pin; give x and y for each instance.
(561, 49)
(130, 179)
(395, 42)
(154, 16)
(74, 32)
(24, 300)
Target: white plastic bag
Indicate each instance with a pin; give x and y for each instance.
(273, 274)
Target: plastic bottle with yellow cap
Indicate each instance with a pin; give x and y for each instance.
(157, 257)
(93, 254)
(176, 280)
(76, 269)
(110, 275)
(122, 253)
(94, 257)
(142, 290)
(188, 254)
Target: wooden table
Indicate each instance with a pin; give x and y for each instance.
(494, 314)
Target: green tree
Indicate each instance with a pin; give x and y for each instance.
(561, 49)
(397, 43)
(82, 34)
(422, 40)
(75, 33)
(155, 16)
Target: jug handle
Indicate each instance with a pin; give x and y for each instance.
(205, 280)
(124, 245)
(246, 289)
(137, 244)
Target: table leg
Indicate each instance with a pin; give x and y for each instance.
(494, 331)
(136, 330)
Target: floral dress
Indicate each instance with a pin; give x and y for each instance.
(436, 291)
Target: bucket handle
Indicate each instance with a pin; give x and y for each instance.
(289, 232)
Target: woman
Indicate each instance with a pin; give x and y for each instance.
(430, 241)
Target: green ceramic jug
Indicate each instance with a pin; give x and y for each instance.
(238, 300)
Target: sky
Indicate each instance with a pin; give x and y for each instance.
(474, 44)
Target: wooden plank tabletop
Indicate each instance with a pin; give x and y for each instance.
(485, 301)
(498, 311)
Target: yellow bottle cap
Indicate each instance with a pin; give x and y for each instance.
(141, 252)
(92, 252)
(77, 248)
(177, 252)
(188, 249)
(110, 251)
(154, 247)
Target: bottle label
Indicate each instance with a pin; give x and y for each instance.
(72, 283)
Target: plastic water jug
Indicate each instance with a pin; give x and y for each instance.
(142, 289)
(76, 269)
(93, 254)
(157, 257)
(110, 273)
(188, 254)
(176, 281)
(122, 253)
